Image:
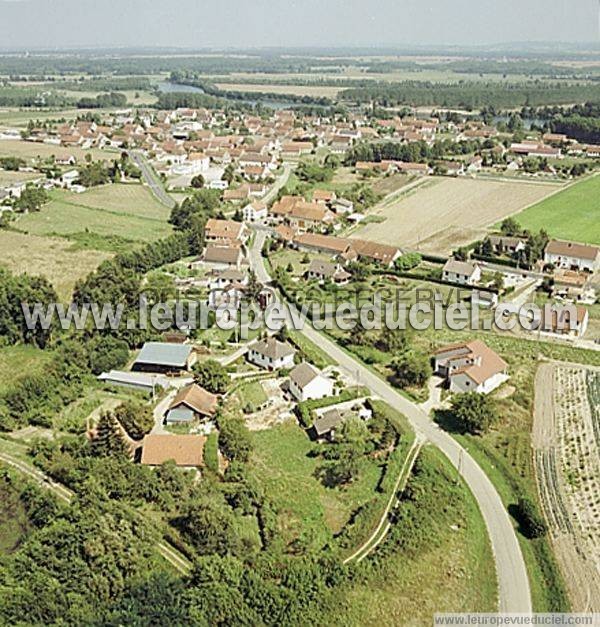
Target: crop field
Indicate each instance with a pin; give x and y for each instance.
(22, 359)
(572, 214)
(566, 438)
(35, 150)
(128, 211)
(444, 213)
(316, 91)
(51, 257)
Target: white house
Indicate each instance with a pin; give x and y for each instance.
(470, 367)
(218, 184)
(572, 256)
(306, 382)
(462, 272)
(67, 179)
(271, 354)
(255, 212)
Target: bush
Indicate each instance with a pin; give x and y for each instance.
(532, 523)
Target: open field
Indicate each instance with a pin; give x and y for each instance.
(572, 214)
(308, 511)
(444, 213)
(566, 440)
(19, 117)
(34, 150)
(316, 91)
(8, 177)
(51, 257)
(143, 97)
(437, 557)
(20, 359)
(128, 211)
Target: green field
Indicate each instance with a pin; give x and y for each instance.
(129, 211)
(308, 511)
(21, 360)
(437, 558)
(572, 214)
(14, 523)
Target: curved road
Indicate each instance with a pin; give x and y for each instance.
(513, 584)
(150, 178)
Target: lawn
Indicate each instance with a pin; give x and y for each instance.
(127, 211)
(20, 360)
(252, 396)
(572, 214)
(308, 511)
(55, 258)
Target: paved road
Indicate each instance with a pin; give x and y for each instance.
(279, 183)
(151, 179)
(513, 584)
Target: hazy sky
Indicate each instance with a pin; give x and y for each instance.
(264, 23)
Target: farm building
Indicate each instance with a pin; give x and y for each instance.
(135, 380)
(164, 357)
(191, 403)
(187, 451)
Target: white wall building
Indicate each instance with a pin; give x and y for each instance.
(306, 382)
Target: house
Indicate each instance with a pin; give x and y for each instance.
(218, 184)
(342, 206)
(68, 178)
(374, 252)
(502, 244)
(271, 354)
(255, 212)
(484, 299)
(327, 421)
(571, 320)
(454, 168)
(470, 367)
(191, 403)
(327, 271)
(324, 196)
(135, 380)
(572, 256)
(187, 451)
(224, 231)
(164, 357)
(222, 257)
(306, 382)
(569, 284)
(461, 272)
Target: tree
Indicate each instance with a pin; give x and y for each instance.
(108, 440)
(32, 198)
(393, 341)
(486, 247)
(408, 261)
(136, 418)
(234, 438)
(106, 352)
(212, 376)
(198, 181)
(510, 227)
(532, 523)
(475, 412)
(411, 369)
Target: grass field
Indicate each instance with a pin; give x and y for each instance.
(316, 91)
(52, 257)
(33, 150)
(8, 177)
(128, 211)
(445, 213)
(308, 511)
(440, 561)
(573, 214)
(22, 360)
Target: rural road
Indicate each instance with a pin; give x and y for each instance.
(279, 183)
(151, 179)
(513, 584)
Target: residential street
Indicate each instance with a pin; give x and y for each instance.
(513, 583)
(150, 179)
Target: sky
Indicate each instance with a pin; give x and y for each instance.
(202, 24)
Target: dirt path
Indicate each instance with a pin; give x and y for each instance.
(562, 430)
